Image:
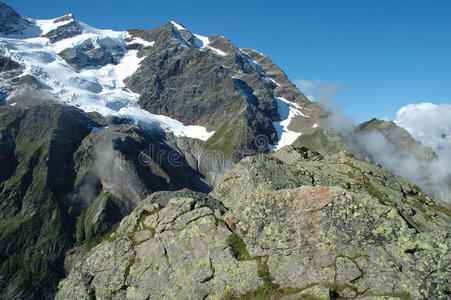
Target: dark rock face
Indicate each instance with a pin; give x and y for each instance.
(65, 181)
(10, 21)
(281, 86)
(211, 164)
(66, 30)
(80, 59)
(14, 79)
(6, 64)
(35, 163)
(195, 85)
(30, 82)
(87, 54)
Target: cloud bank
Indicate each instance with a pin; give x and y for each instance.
(428, 123)
(431, 125)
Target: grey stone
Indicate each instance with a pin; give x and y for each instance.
(67, 30)
(255, 236)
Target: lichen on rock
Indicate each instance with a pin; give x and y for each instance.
(290, 225)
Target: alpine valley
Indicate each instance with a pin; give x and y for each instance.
(162, 164)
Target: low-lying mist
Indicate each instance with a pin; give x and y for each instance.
(433, 176)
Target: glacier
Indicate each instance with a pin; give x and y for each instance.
(93, 88)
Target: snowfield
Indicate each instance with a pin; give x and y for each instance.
(287, 111)
(93, 88)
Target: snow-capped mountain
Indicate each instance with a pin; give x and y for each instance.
(85, 67)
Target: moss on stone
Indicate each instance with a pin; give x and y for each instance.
(140, 222)
(308, 297)
(269, 289)
(263, 293)
(129, 265)
(238, 247)
(263, 273)
(399, 295)
(94, 241)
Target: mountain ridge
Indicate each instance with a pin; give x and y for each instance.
(277, 226)
(95, 50)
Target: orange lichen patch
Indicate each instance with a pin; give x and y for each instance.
(313, 198)
(230, 223)
(190, 245)
(308, 204)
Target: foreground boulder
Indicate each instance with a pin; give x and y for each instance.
(289, 225)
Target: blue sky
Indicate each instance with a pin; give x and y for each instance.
(384, 54)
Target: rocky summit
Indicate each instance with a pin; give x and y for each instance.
(161, 164)
(291, 225)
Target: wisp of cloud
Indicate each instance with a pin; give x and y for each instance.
(432, 176)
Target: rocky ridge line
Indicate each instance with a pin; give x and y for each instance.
(289, 225)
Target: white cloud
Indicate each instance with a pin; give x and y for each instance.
(306, 86)
(429, 123)
(318, 90)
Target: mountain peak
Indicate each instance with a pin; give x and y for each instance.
(65, 18)
(178, 26)
(60, 28)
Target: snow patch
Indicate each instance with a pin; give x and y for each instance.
(149, 121)
(137, 40)
(200, 41)
(287, 111)
(178, 26)
(49, 25)
(203, 42)
(273, 81)
(145, 43)
(258, 68)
